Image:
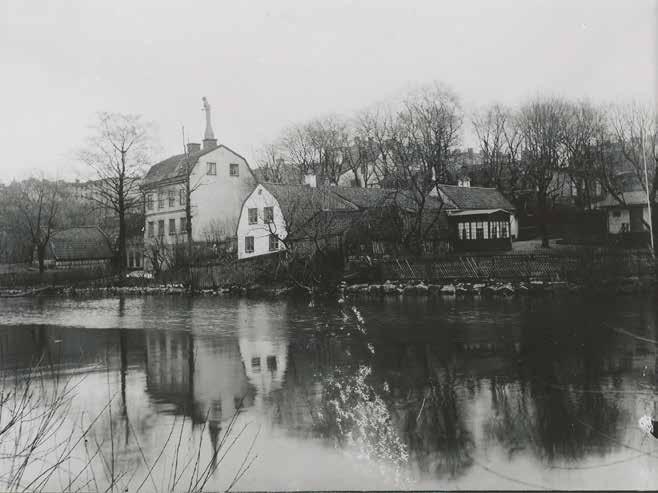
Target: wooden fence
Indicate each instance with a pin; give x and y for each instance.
(584, 266)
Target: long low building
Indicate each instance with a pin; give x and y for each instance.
(482, 219)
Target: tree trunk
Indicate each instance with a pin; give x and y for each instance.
(41, 256)
(122, 235)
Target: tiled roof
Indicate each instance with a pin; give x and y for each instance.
(305, 207)
(475, 197)
(366, 198)
(86, 243)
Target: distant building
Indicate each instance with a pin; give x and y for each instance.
(481, 218)
(220, 180)
(79, 248)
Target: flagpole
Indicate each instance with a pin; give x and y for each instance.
(646, 179)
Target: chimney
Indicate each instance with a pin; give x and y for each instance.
(310, 180)
(193, 147)
(209, 140)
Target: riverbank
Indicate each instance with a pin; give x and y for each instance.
(389, 288)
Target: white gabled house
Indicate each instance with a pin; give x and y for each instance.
(276, 215)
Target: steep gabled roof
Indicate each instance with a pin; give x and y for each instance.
(84, 243)
(475, 198)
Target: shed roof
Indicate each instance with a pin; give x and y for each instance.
(473, 212)
(475, 197)
(84, 243)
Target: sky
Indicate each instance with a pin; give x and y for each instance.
(264, 65)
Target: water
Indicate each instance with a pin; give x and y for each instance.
(423, 394)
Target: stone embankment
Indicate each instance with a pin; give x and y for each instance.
(493, 288)
(389, 288)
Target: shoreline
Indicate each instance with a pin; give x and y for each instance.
(389, 288)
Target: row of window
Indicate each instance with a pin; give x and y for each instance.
(249, 244)
(171, 199)
(150, 231)
(483, 230)
(268, 215)
(234, 169)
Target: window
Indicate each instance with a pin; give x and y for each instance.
(479, 232)
(253, 216)
(183, 225)
(160, 201)
(171, 195)
(255, 363)
(181, 196)
(274, 243)
(504, 230)
(212, 169)
(271, 363)
(249, 244)
(234, 169)
(149, 201)
(268, 215)
(161, 227)
(151, 229)
(494, 230)
(616, 214)
(172, 227)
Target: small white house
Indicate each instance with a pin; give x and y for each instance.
(630, 215)
(273, 212)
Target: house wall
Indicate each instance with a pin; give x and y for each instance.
(259, 199)
(216, 200)
(618, 216)
(514, 226)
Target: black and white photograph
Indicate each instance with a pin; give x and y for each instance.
(328, 245)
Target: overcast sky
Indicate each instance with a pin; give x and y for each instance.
(265, 65)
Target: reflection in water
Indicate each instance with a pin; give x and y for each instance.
(545, 382)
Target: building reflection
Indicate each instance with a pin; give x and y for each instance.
(210, 374)
(263, 341)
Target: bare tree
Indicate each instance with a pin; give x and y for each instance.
(499, 140)
(118, 152)
(543, 124)
(374, 127)
(36, 204)
(585, 138)
(635, 132)
(272, 164)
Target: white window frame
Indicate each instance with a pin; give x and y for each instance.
(253, 244)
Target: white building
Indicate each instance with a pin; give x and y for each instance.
(272, 212)
(220, 179)
(630, 215)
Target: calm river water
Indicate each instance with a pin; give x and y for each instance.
(415, 394)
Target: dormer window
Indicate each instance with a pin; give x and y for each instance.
(212, 169)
